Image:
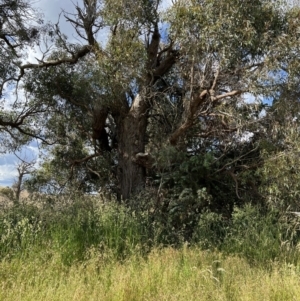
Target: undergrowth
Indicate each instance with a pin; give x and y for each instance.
(72, 228)
(87, 250)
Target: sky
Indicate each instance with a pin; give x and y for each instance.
(50, 10)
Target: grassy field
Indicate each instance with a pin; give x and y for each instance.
(86, 250)
(167, 274)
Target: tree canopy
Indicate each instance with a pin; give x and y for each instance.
(196, 103)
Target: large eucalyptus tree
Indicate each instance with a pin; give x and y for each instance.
(142, 78)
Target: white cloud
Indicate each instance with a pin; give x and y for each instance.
(8, 174)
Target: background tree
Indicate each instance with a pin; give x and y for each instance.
(24, 168)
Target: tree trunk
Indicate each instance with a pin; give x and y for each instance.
(18, 187)
(132, 133)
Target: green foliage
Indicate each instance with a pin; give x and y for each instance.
(179, 170)
(73, 229)
(280, 172)
(111, 229)
(211, 230)
(255, 235)
(21, 27)
(281, 180)
(244, 29)
(171, 86)
(8, 192)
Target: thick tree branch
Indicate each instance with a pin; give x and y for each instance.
(152, 48)
(192, 108)
(228, 94)
(166, 64)
(69, 60)
(85, 159)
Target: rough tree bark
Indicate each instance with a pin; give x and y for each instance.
(132, 142)
(132, 128)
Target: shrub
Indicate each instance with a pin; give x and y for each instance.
(7, 192)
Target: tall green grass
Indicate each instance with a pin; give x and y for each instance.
(255, 234)
(87, 250)
(72, 229)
